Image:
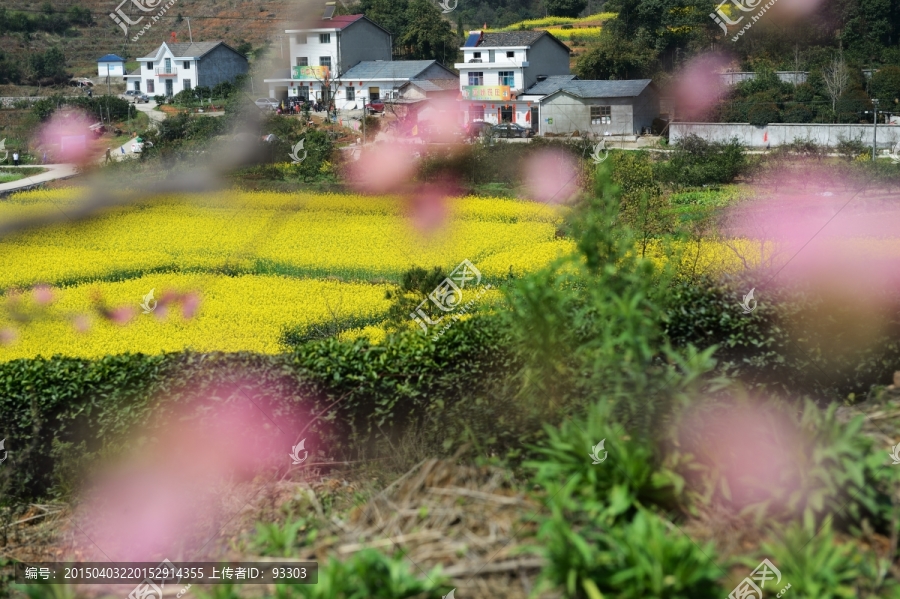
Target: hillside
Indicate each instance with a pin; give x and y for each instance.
(234, 21)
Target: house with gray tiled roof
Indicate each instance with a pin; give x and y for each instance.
(610, 108)
(174, 67)
(498, 67)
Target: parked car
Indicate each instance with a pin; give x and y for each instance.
(135, 97)
(375, 107)
(511, 130)
(138, 146)
(478, 128)
(267, 103)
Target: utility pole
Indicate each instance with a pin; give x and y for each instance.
(190, 35)
(875, 130)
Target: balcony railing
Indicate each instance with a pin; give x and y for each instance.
(166, 72)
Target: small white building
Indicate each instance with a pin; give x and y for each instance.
(175, 67)
(111, 65)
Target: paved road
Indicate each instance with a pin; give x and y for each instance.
(156, 116)
(54, 172)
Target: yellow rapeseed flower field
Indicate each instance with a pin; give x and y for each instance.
(262, 262)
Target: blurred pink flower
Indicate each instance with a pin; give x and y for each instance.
(841, 247)
(384, 168)
(551, 176)
(8, 336)
(43, 295)
(174, 493)
(428, 207)
(190, 303)
(749, 449)
(122, 315)
(81, 323)
(67, 132)
(698, 86)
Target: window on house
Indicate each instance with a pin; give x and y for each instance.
(476, 55)
(510, 54)
(601, 115)
(324, 38)
(150, 88)
(149, 66)
(300, 39)
(186, 84)
(302, 61)
(325, 61)
(187, 64)
(476, 78)
(507, 78)
(351, 93)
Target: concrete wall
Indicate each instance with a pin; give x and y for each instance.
(784, 133)
(733, 78)
(545, 57)
(362, 41)
(221, 64)
(646, 108)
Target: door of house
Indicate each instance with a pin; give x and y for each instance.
(374, 94)
(505, 114)
(169, 87)
(534, 119)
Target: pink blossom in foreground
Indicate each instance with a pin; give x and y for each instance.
(840, 244)
(428, 205)
(190, 303)
(122, 315)
(170, 494)
(551, 176)
(749, 450)
(67, 132)
(384, 168)
(81, 323)
(698, 87)
(8, 336)
(42, 294)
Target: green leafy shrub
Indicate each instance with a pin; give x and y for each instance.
(695, 162)
(761, 115)
(369, 575)
(817, 565)
(646, 557)
(793, 342)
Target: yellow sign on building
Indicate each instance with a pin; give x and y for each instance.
(486, 92)
(318, 73)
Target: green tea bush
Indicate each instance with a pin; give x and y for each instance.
(696, 162)
(794, 342)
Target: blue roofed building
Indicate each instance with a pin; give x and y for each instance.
(111, 65)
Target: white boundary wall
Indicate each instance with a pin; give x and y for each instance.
(785, 133)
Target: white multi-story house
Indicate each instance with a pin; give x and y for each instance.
(321, 53)
(498, 67)
(174, 67)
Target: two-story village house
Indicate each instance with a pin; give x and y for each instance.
(346, 60)
(174, 67)
(323, 52)
(498, 67)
